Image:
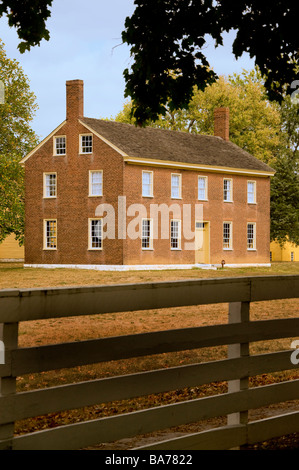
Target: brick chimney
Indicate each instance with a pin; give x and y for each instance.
(74, 99)
(221, 123)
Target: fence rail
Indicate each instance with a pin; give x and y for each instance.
(33, 304)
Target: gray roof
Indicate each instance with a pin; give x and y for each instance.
(175, 146)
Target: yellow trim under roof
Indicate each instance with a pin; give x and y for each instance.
(197, 167)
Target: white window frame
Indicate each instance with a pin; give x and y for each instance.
(230, 190)
(80, 144)
(253, 247)
(230, 244)
(179, 235)
(55, 145)
(254, 192)
(90, 235)
(46, 195)
(91, 173)
(151, 173)
(179, 176)
(205, 178)
(150, 237)
(46, 236)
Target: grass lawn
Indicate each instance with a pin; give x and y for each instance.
(37, 333)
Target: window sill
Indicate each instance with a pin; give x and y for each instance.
(227, 249)
(95, 249)
(228, 201)
(49, 197)
(50, 249)
(148, 196)
(95, 195)
(251, 249)
(59, 155)
(204, 200)
(147, 249)
(176, 249)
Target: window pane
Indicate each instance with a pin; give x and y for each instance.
(96, 183)
(201, 188)
(226, 235)
(175, 234)
(146, 183)
(146, 234)
(51, 185)
(251, 192)
(86, 143)
(96, 234)
(175, 186)
(227, 190)
(250, 236)
(60, 146)
(51, 234)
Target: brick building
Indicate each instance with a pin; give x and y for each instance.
(104, 194)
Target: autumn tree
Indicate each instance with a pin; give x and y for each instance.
(16, 140)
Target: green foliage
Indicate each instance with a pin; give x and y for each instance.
(168, 37)
(29, 18)
(17, 139)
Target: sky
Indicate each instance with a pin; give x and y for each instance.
(85, 43)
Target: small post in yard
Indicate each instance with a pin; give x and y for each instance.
(238, 313)
(9, 337)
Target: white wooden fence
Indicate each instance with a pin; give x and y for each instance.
(18, 305)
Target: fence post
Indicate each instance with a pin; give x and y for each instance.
(9, 336)
(238, 313)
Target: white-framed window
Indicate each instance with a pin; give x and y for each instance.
(202, 188)
(86, 143)
(227, 236)
(251, 192)
(228, 190)
(50, 234)
(251, 236)
(50, 185)
(95, 234)
(176, 186)
(95, 183)
(147, 230)
(147, 183)
(175, 234)
(59, 145)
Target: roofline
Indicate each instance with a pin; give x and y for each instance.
(103, 139)
(190, 166)
(41, 143)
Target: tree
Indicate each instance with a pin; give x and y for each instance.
(285, 183)
(169, 36)
(17, 139)
(254, 120)
(29, 18)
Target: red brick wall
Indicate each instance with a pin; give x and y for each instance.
(72, 207)
(215, 211)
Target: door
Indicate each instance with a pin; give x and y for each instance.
(202, 242)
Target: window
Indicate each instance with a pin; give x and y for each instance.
(95, 234)
(270, 255)
(251, 192)
(292, 256)
(227, 235)
(227, 190)
(86, 143)
(147, 183)
(175, 234)
(50, 185)
(60, 145)
(147, 242)
(176, 188)
(202, 188)
(95, 183)
(251, 238)
(50, 234)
